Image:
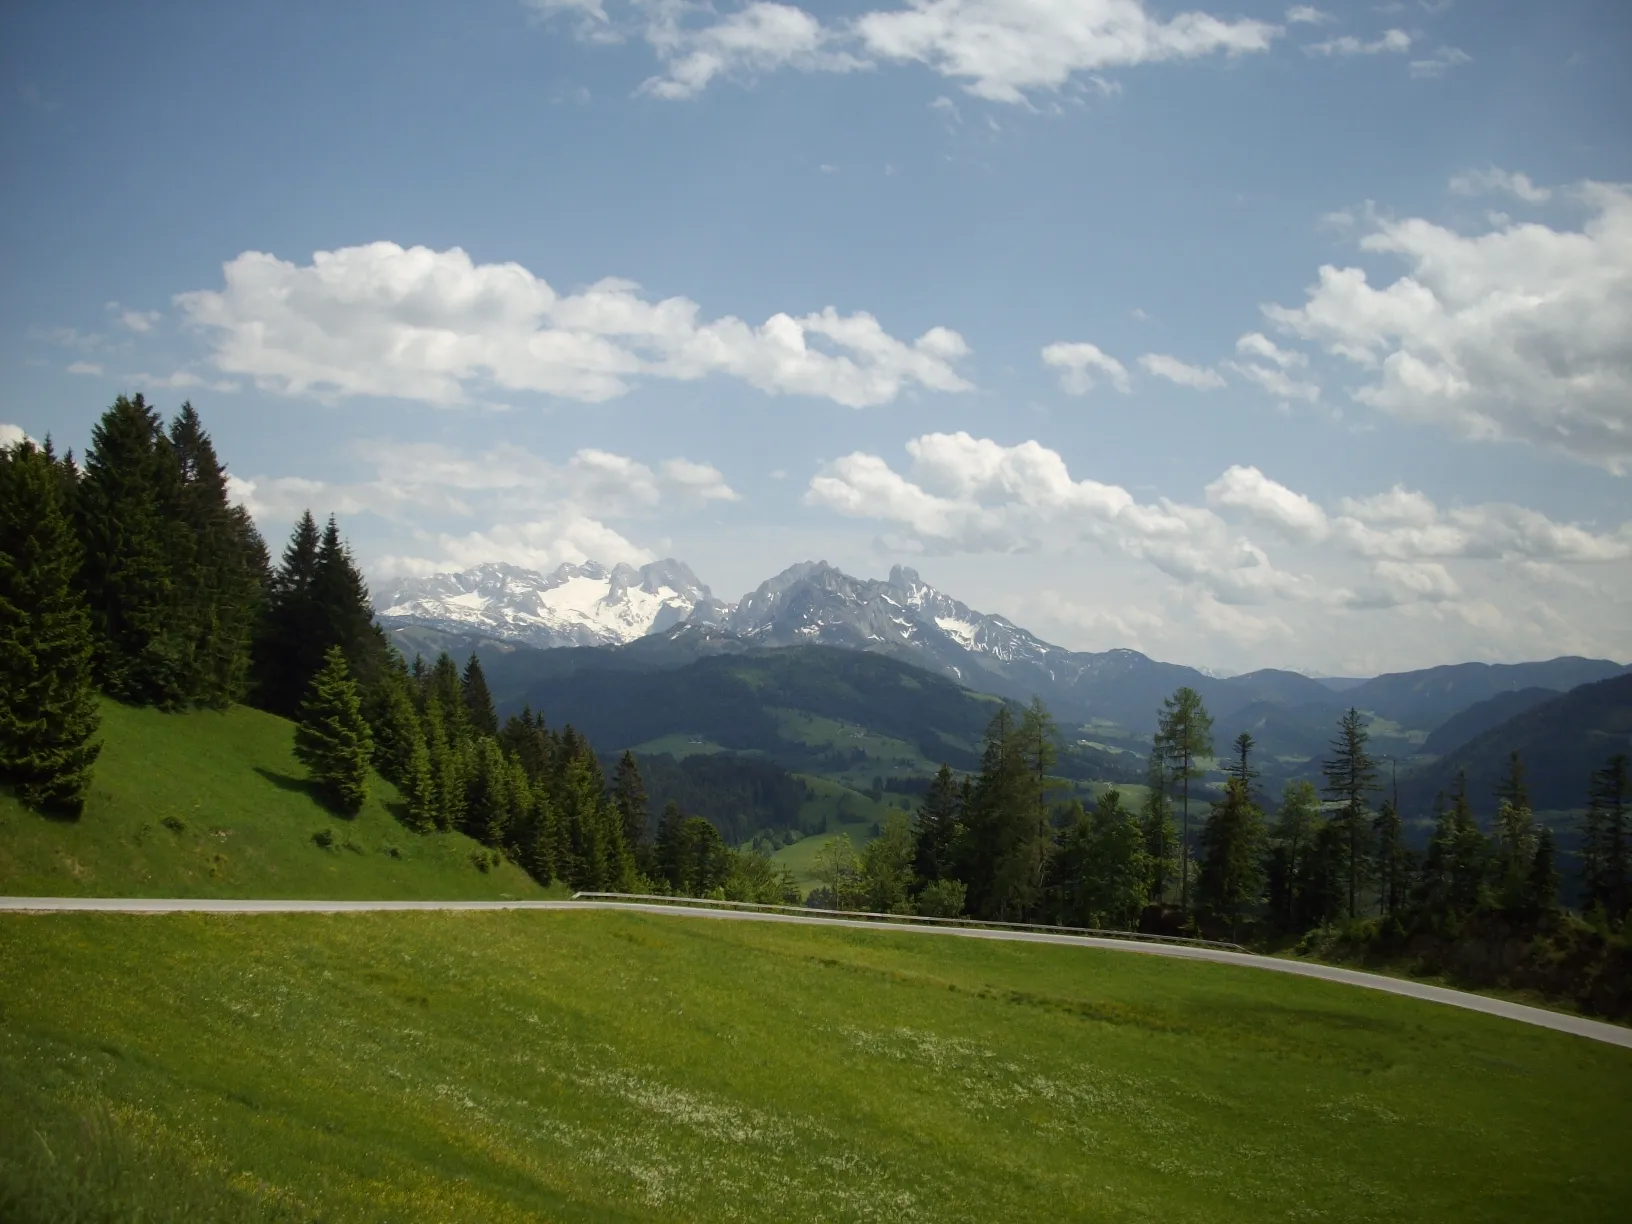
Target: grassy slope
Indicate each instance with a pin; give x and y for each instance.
(620, 1066)
(248, 817)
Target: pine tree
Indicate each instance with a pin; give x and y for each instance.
(394, 723)
(1185, 730)
(331, 736)
(291, 645)
(1229, 875)
(935, 829)
(1394, 860)
(446, 692)
(1350, 775)
(1512, 788)
(219, 569)
(1241, 766)
(629, 798)
(418, 786)
(487, 792)
(129, 536)
(48, 710)
(1156, 825)
(1607, 839)
(1297, 823)
(344, 615)
(1542, 890)
(478, 701)
(1515, 854)
(1004, 847)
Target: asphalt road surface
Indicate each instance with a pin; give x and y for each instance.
(1596, 1030)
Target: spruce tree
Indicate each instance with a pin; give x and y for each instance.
(331, 736)
(1241, 766)
(1156, 825)
(935, 829)
(48, 710)
(1297, 823)
(1607, 839)
(290, 648)
(1229, 875)
(629, 798)
(418, 786)
(130, 535)
(1394, 860)
(344, 615)
(1542, 890)
(1351, 775)
(478, 701)
(1185, 730)
(487, 792)
(219, 569)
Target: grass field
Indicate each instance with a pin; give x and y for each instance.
(606, 1066)
(208, 804)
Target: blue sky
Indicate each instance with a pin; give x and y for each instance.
(1026, 294)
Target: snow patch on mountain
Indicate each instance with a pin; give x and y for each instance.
(576, 605)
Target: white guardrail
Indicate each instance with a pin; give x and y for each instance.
(904, 919)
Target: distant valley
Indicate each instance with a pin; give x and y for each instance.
(634, 655)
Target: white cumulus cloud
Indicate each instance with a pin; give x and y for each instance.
(1523, 332)
(1199, 378)
(435, 326)
(1478, 182)
(1074, 361)
(751, 42)
(1390, 42)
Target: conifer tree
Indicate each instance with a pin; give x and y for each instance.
(291, 646)
(1607, 839)
(1241, 766)
(418, 786)
(130, 536)
(446, 692)
(218, 569)
(48, 710)
(1119, 875)
(1351, 775)
(1543, 883)
(1185, 730)
(394, 723)
(1297, 823)
(345, 617)
(1156, 825)
(1005, 844)
(331, 736)
(1229, 876)
(935, 829)
(629, 798)
(1394, 860)
(487, 792)
(1515, 853)
(478, 701)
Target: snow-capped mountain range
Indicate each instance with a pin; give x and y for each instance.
(807, 604)
(668, 617)
(576, 605)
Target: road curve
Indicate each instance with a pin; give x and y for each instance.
(1580, 1026)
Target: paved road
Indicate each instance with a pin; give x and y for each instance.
(1596, 1030)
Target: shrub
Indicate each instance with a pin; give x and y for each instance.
(174, 823)
(324, 839)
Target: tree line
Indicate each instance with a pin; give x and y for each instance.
(133, 575)
(996, 844)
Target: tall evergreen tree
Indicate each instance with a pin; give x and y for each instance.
(130, 537)
(218, 569)
(1292, 840)
(1241, 765)
(1185, 730)
(1229, 876)
(478, 700)
(291, 646)
(1543, 883)
(446, 692)
(331, 736)
(1515, 856)
(1512, 788)
(629, 798)
(418, 786)
(1161, 839)
(48, 710)
(1351, 775)
(487, 792)
(1005, 841)
(1394, 860)
(344, 615)
(935, 829)
(1607, 839)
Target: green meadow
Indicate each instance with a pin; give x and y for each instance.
(214, 804)
(616, 1066)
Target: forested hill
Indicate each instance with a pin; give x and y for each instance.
(765, 701)
(1562, 741)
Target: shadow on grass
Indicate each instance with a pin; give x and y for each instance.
(303, 786)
